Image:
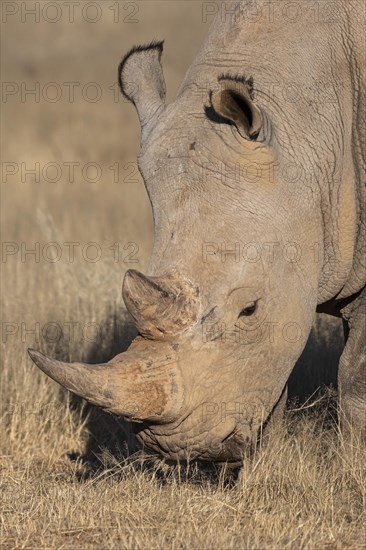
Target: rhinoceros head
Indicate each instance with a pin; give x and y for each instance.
(230, 295)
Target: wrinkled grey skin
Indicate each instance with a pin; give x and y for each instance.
(307, 188)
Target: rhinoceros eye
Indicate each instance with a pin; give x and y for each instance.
(248, 310)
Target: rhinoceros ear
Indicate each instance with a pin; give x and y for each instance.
(141, 79)
(234, 102)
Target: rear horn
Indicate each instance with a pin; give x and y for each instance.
(160, 306)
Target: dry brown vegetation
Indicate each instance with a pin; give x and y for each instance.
(66, 481)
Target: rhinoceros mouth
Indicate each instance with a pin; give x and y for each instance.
(228, 443)
(231, 451)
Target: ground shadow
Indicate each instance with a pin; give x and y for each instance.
(164, 471)
(317, 368)
(106, 432)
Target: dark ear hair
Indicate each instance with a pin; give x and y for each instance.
(234, 103)
(141, 79)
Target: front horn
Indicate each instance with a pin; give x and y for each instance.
(141, 384)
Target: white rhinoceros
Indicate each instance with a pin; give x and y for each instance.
(256, 175)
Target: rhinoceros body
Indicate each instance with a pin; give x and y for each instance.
(256, 175)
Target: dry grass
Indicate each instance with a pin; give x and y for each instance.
(306, 489)
(59, 487)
